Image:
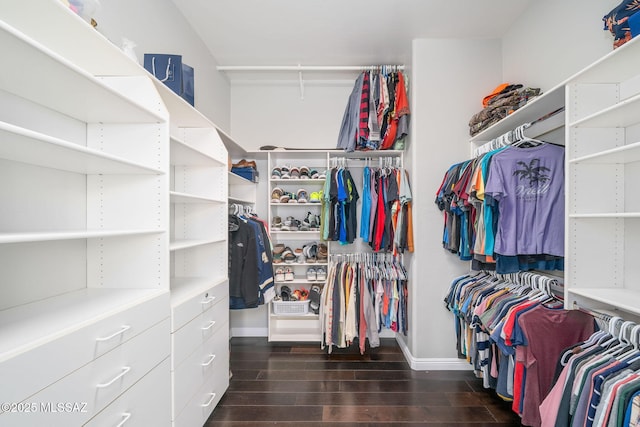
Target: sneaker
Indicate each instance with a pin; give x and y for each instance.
(321, 274)
(276, 194)
(300, 258)
(276, 173)
(279, 276)
(304, 172)
(288, 275)
(311, 274)
(302, 195)
(276, 223)
(284, 172)
(314, 197)
(314, 296)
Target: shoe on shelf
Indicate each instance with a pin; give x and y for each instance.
(288, 274)
(294, 172)
(300, 258)
(279, 276)
(321, 274)
(288, 256)
(322, 252)
(314, 197)
(293, 198)
(313, 174)
(285, 293)
(314, 296)
(276, 173)
(302, 195)
(311, 274)
(278, 249)
(276, 195)
(276, 223)
(304, 172)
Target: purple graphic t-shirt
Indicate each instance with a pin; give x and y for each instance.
(528, 184)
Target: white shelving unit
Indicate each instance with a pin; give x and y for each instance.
(287, 327)
(603, 153)
(114, 239)
(84, 239)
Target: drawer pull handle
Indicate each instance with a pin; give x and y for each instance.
(207, 300)
(210, 361)
(122, 330)
(209, 326)
(125, 418)
(210, 401)
(120, 375)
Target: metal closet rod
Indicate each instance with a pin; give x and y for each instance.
(305, 67)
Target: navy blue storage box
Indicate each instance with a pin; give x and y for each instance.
(248, 173)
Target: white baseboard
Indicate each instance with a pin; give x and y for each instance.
(433, 363)
(249, 332)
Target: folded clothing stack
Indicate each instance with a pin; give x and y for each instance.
(623, 22)
(501, 102)
(246, 169)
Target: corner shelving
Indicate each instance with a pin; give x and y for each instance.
(603, 167)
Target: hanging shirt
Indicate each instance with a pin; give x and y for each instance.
(351, 118)
(528, 184)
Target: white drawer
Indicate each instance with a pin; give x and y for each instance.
(36, 369)
(186, 339)
(205, 400)
(97, 384)
(191, 308)
(145, 404)
(192, 372)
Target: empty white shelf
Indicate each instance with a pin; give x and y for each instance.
(625, 154)
(184, 154)
(26, 146)
(609, 215)
(624, 299)
(619, 65)
(177, 197)
(71, 235)
(54, 82)
(622, 114)
(192, 243)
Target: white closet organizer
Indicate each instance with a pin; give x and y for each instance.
(114, 231)
(603, 169)
(83, 244)
(295, 327)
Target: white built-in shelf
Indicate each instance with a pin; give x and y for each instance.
(301, 234)
(308, 264)
(300, 281)
(186, 288)
(177, 197)
(297, 181)
(533, 110)
(27, 326)
(184, 154)
(27, 146)
(53, 81)
(618, 65)
(296, 204)
(294, 334)
(624, 299)
(626, 154)
(308, 316)
(610, 215)
(242, 201)
(624, 113)
(235, 179)
(71, 235)
(178, 245)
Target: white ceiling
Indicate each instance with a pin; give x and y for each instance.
(339, 32)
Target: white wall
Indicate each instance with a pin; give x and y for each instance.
(266, 112)
(156, 26)
(555, 39)
(449, 80)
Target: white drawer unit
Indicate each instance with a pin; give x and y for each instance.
(204, 400)
(192, 335)
(94, 386)
(195, 304)
(146, 403)
(36, 369)
(199, 366)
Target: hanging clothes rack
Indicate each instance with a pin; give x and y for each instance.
(301, 68)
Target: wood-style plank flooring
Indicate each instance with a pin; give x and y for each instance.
(295, 384)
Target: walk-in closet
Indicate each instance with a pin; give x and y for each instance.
(252, 213)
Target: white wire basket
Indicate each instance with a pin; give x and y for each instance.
(291, 308)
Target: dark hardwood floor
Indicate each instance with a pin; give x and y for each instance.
(295, 384)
